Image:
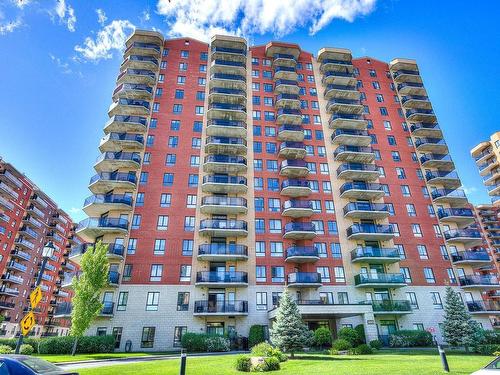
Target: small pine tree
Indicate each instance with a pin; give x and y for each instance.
(289, 333)
(458, 328)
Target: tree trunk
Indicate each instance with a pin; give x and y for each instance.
(291, 355)
(73, 351)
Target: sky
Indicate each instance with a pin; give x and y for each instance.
(59, 60)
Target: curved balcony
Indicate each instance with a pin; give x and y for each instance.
(341, 78)
(224, 279)
(129, 124)
(287, 100)
(439, 161)
(224, 184)
(223, 95)
(223, 205)
(379, 280)
(295, 188)
(214, 252)
(7, 192)
(366, 210)
(224, 164)
(449, 180)
(411, 88)
(98, 204)
(24, 244)
(354, 154)
(103, 182)
(421, 115)
(302, 254)
(351, 106)
(483, 307)
(299, 231)
(227, 110)
(226, 128)
(297, 208)
(143, 49)
(462, 217)
(294, 168)
(351, 137)
(449, 196)
(115, 252)
(63, 310)
(139, 76)
(226, 308)
(292, 150)
(426, 129)
(304, 280)
(121, 141)
(484, 282)
(289, 116)
(9, 292)
(228, 81)
(28, 220)
(223, 228)
(284, 59)
(370, 232)
(227, 53)
(20, 255)
(487, 167)
(113, 278)
(375, 255)
(491, 178)
(294, 133)
(358, 171)
(16, 266)
(471, 258)
(341, 92)
(130, 107)
(6, 205)
(109, 161)
(336, 65)
(133, 91)
(416, 102)
(228, 67)
(94, 227)
(434, 145)
(406, 75)
(9, 278)
(285, 72)
(140, 62)
(225, 145)
(286, 86)
(361, 190)
(391, 307)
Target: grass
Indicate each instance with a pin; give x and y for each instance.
(58, 358)
(383, 363)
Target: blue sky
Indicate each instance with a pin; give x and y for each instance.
(59, 60)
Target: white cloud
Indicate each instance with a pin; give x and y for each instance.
(110, 38)
(74, 210)
(64, 66)
(66, 14)
(9, 26)
(21, 3)
(145, 16)
(101, 16)
(203, 18)
(469, 190)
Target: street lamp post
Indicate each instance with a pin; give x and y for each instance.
(47, 252)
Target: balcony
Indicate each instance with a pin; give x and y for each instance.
(224, 164)
(223, 205)
(416, 102)
(295, 188)
(5, 204)
(227, 308)
(350, 106)
(63, 310)
(485, 153)
(133, 91)
(25, 244)
(228, 81)
(366, 210)
(297, 208)
(391, 307)
(449, 180)
(224, 279)
(294, 133)
(8, 177)
(225, 145)
(421, 115)
(121, 141)
(113, 278)
(223, 228)
(424, 129)
(439, 161)
(140, 62)
(453, 197)
(284, 59)
(358, 171)
(354, 154)
(98, 204)
(227, 110)
(122, 123)
(434, 145)
(370, 232)
(471, 258)
(285, 72)
(4, 305)
(304, 280)
(224, 184)
(292, 150)
(484, 282)
(131, 107)
(214, 252)
(411, 88)
(228, 67)
(109, 161)
(15, 266)
(460, 216)
(375, 255)
(406, 75)
(302, 254)
(104, 182)
(93, 227)
(286, 86)
(287, 100)
(143, 49)
(115, 252)
(347, 121)
(230, 96)
(299, 231)
(361, 190)
(228, 53)
(483, 307)
(289, 116)
(341, 92)
(379, 280)
(351, 137)
(336, 65)
(7, 192)
(9, 278)
(294, 168)
(137, 76)
(338, 78)
(9, 292)
(491, 178)
(226, 128)
(107, 309)
(487, 167)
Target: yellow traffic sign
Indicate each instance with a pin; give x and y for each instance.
(35, 297)
(27, 323)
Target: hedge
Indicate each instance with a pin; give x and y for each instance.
(86, 344)
(201, 342)
(256, 335)
(410, 338)
(26, 340)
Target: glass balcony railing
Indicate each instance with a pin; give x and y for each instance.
(345, 116)
(365, 206)
(404, 72)
(336, 62)
(299, 227)
(339, 87)
(228, 123)
(429, 141)
(213, 200)
(227, 91)
(139, 58)
(379, 278)
(300, 183)
(450, 193)
(113, 277)
(390, 306)
(115, 177)
(221, 277)
(410, 84)
(289, 144)
(374, 252)
(226, 141)
(228, 63)
(113, 249)
(223, 249)
(291, 128)
(137, 72)
(107, 308)
(484, 153)
(99, 222)
(133, 120)
(304, 278)
(407, 98)
(235, 51)
(134, 102)
(357, 167)
(369, 228)
(225, 159)
(424, 126)
(343, 101)
(226, 307)
(133, 87)
(109, 199)
(351, 132)
(286, 97)
(441, 174)
(361, 186)
(462, 212)
(302, 251)
(480, 306)
(122, 156)
(286, 82)
(435, 157)
(419, 111)
(144, 45)
(337, 74)
(223, 224)
(227, 106)
(231, 77)
(283, 56)
(462, 233)
(478, 280)
(294, 163)
(474, 256)
(289, 111)
(286, 69)
(296, 203)
(358, 149)
(125, 137)
(224, 179)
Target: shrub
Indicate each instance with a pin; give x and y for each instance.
(256, 335)
(375, 344)
(487, 349)
(322, 336)
(26, 349)
(5, 349)
(217, 344)
(360, 329)
(341, 344)
(27, 340)
(278, 354)
(362, 349)
(265, 349)
(194, 342)
(270, 364)
(351, 335)
(243, 363)
(410, 338)
(86, 344)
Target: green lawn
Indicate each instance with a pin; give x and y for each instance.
(378, 364)
(58, 358)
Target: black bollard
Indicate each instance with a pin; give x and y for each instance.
(444, 361)
(183, 364)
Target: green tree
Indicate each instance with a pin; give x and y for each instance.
(88, 288)
(458, 328)
(322, 336)
(289, 333)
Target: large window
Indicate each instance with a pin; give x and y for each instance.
(178, 332)
(148, 337)
(122, 301)
(156, 272)
(152, 301)
(183, 301)
(261, 302)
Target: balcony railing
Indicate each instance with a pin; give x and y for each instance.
(356, 167)
(462, 256)
(339, 87)
(226, 307)
(429, 141)
(138, 72)
(336, 62)
(63, 308)
(447, 212)
(237, 64)
(404, 72)
(115, 177)
(113, 277)
(286, 97)
(235, 51)
(289, 111)
(302, 251)
(222, 249)
(359, 133)
(107, 308)
(460, 233)
(140, 58)
(144, 45)
(484, 153)
(221, 277)
(435, 157)
(223, 224)
(225, 159)
(300, 183)
(227, 106)
(365, 206)
(480, 306)
(478, 280)
(379, 278)
(361, 186)
(226, 141)
(441, 174)
(290, 128)
(96, 222)
(374, 252)
(136, 120)
(227, 91)
(122, 156)
(289, 144)
(299, 227)
(424, 126)
(225, 76)
(419, 111)
(369, 228)
(224, 179)
(449, 193)
(304, 278)
(390, 306)
(296, 163)
(296, 203)
(214, 200)
(410, 84)
(109, 199)
(285, 82)
(358, 149)
(228, 123)
(113, 249)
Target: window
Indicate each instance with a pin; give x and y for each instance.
(401, 251)
(132, 246)
(444, 252)
(199, 110)
(380, 98)
(395, 156)
(332, 227)
(274, 205)
(156, 272)
(258, 183)
(405, 190)
(162, 223)
(191, 201)
(395, 229)
(417, 231)
(152, 301)
(259, 226)
(343, 298)
(320, 247)
(165, 200)
(260, 248)
(451, 275)
(325, 273)
(405, 271)
(418, 327)
(277, 274)
(179, 331)
(181, 80)
(437, 230)
(179, 94)
(272, 165)
(260, 273)
(184, 54)
(175, 125)
(127, 272)
(400, 172)
(412, 297)
(410, 209)
(275, 226)
(122, 301)
(189, 223)
(422, 252)
(197, 126)
(185, 274)
(259, 204)
(156, 107)
(336, 250)
(329, 207)
(429, 275)
(276, 249)
(436, 300)
(339, 274)
(148, 337)
(173, 141)
(170, 160)
(150, 140)
(261, 301)
(183, 301)
(158, 92)
(159, 247)
(136, 221)
(187, 247)
(193, 180)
